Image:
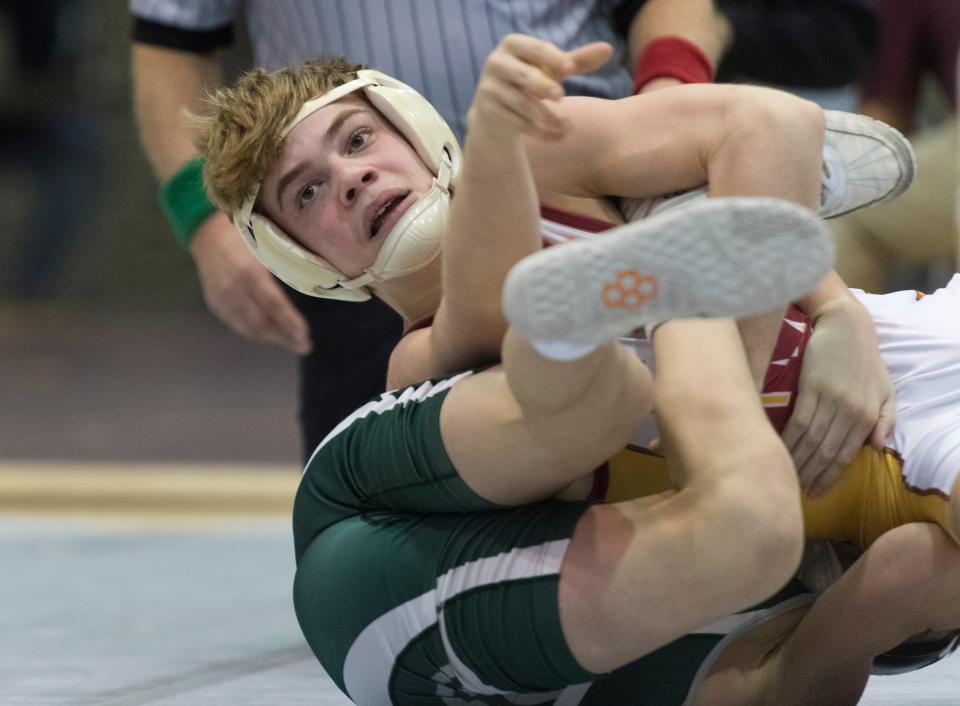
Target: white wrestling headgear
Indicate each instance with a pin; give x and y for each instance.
(413, 243)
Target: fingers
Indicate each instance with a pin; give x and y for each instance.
(253, 305)
(261, 326)
(531, 65)
(521, 81)
(823, 443)
(799, 420)
(552, 60)
(240, 292)
(885, 424)
(279, 321)
(849, 447)
(590, 57)
(520, 93)
(815, 445)
(529, 117)
(823, 482)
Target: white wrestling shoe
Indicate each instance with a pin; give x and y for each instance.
(865, 162)
(722, 257)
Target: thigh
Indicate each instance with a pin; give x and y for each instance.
(409, 609)
(510, 455)
(421, 610)
(458, 444)
(388, 455)
(424, 610)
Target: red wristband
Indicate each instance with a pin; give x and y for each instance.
(673, 57)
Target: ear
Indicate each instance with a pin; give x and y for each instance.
(293, 264)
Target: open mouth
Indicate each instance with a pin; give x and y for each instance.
(386, 213)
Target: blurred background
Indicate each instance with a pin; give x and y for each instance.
(107, 350)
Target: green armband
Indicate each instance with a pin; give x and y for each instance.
(184, 201)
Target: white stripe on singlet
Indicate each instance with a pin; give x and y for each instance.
(370, 661)
(437, 46)
(388, 401)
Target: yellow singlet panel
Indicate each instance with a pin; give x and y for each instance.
(636, 473)
(870, 497)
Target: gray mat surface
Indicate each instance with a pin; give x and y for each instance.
(135, 613)
(177, 613)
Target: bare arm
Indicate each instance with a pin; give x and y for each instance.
(738, 138)
(165, 82)
(494, 223)
(236, 288)
(697, 21)
(494, 219)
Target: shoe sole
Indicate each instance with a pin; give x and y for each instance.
(841, 123)
(724, 257)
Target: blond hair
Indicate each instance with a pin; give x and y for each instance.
(239, 134)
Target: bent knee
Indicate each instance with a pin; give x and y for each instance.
(769, 542)
(918, 565)
(759, 507)
(914, 558)
(777, 113)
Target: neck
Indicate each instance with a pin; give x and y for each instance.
(415, 296)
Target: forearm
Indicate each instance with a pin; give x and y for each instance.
(494, 222)
(494, 219)
(165, 83)
(697, 21)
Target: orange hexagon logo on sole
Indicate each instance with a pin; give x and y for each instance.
(629, 290)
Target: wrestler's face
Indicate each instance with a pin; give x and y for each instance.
(343, 179)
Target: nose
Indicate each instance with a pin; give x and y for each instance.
(355, 178)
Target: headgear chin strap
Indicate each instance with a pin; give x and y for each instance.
(413, 243)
